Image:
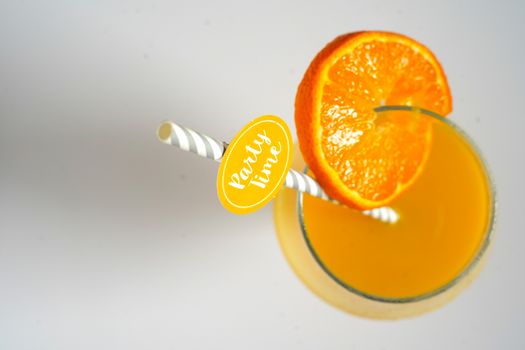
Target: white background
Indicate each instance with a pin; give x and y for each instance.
(111, 240)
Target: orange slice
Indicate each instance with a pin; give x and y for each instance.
(360, 159)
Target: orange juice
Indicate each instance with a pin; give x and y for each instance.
(445, 220)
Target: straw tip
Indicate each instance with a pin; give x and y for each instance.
(164, 131)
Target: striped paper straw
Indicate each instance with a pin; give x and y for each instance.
(192, 141)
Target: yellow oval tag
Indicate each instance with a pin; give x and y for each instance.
(255, 165)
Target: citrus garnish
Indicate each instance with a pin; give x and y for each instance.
(360, 159)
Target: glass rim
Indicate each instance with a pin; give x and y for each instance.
(488, 234)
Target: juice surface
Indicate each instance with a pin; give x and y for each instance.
(444, 218)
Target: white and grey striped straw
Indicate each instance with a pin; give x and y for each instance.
(192, 141)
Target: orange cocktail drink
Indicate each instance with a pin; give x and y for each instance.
(375, 269)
